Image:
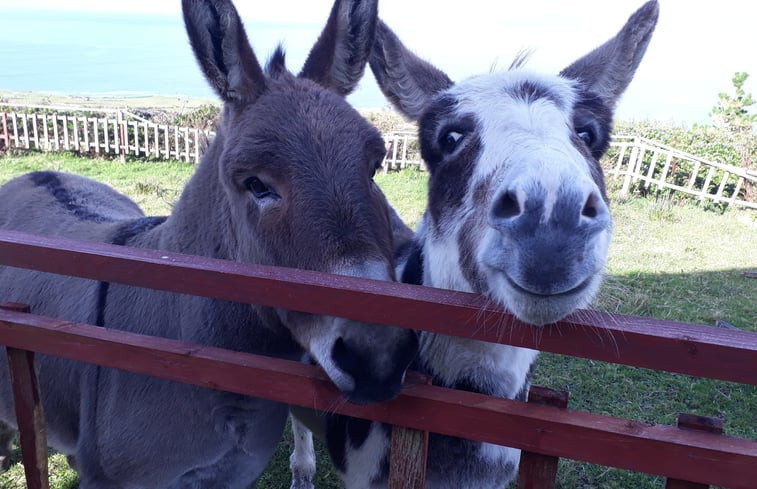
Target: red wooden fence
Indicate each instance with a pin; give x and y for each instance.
(688, 455)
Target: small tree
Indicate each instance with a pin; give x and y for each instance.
(732, 115)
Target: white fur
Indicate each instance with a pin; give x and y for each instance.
(302, 460)
(364, 464)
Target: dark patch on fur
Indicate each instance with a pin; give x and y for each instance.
(592, 114)
(50, 182)
(413, 271)
(343, 431)
(450, 174)
(530, 91)
(121, 237)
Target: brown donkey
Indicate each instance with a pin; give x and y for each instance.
(288, 182)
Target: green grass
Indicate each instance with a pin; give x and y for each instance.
(667, 260)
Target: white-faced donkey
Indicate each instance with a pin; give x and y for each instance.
(287, 181)
(517, 211)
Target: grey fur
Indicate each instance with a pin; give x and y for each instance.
(313, 206)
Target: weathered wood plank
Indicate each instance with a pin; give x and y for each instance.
(146, 130)
(197, 146)
(652, 167)
(663, 450)
(66, 141)
(29, 413)
(699, 423)
(35, 131)
(6, 136)
(736, 190)
(56, 135)
(15, 129)
(694, 175)
(630, 169)
(106, 148)
(621, 156)
(409, 452)
(536, 470)
(407, 461)
(25, 125)
(46, 132)
(672, 346)
(76, 141)
(665, 169)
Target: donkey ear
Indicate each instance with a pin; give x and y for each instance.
(608, 70)
(406, 80)
(337, 60)
(222, 50)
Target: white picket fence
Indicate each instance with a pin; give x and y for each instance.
(117, 132)
(122, 133)
(402, 151)
(664, 167)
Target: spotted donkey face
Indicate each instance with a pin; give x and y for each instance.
(517, 205)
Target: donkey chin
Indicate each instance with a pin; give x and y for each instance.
(542, 284)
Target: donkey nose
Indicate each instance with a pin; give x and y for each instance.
(377, 376)
(515, 207)
(345, 358)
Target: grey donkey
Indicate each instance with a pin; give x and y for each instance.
(287, 181)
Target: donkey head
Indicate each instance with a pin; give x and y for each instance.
(517, 204)
(296, 164)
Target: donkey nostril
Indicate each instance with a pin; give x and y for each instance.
(590, 209)
(507, 206)
(344, 358)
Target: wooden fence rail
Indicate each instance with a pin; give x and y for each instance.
(118, 133)
(680, 454)
(664, 167)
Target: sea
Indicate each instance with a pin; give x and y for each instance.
(122, 55)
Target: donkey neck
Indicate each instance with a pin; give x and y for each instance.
(200, 223)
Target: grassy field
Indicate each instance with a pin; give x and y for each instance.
(667, 260)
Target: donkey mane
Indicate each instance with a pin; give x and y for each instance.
(276, 63)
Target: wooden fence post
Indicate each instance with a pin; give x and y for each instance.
(700, 423)
(630, 169)
(6, 139)
(407, 458)
(120, 134)
(537, 471)
(29, 413)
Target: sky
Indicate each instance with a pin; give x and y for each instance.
(696, 48)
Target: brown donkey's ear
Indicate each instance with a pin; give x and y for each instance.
(337, 60)
(406, 80)
(222, 50)
(608, 69)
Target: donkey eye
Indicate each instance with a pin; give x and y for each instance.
(450, 140)
(586, 135)
(259, 189)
